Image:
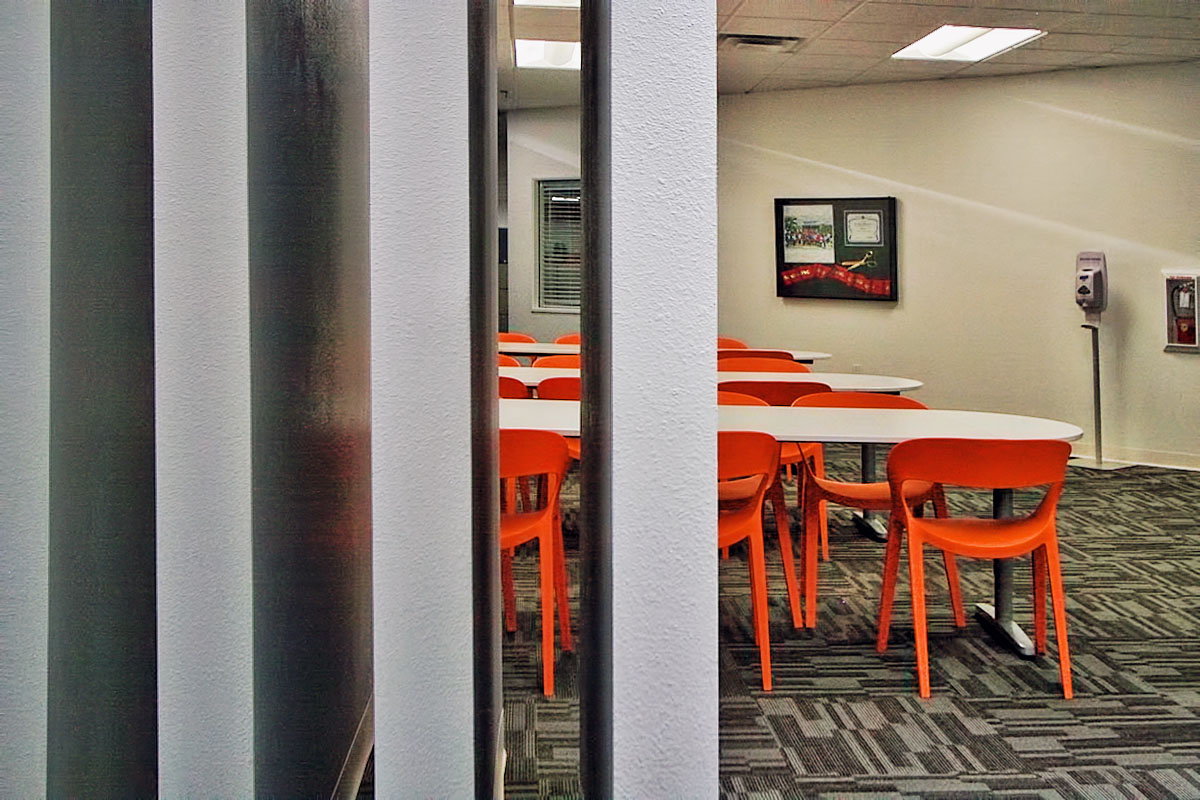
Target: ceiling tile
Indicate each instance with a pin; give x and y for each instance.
(551, 24)
(798, 9)
(868, 32)
(1185, 48)
(778, 83)
(774, 26)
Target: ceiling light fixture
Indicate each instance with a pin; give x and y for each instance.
(539, 54)
(967, 43)
(548, 3)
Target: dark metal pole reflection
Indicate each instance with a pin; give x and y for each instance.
(485, 483)
(595, 663)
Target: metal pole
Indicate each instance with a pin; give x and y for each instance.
(485, 507)
(595, 663)
(102, 700)
(1096, 394)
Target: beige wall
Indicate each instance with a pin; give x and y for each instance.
(542, 144)
(999, 182)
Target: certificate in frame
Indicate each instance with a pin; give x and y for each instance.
(840, 248)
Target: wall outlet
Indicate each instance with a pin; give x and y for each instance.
(856, 368)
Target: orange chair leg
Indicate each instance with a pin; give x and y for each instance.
(546, 573)
(818, 462)
(1059, 601)
(758, 588)
(887, 593)
(510, 596)
(724, 553)
(1039, 601)
(783, 524)
(562, 598)
(956, 601)
(916, 579)
(810, 561)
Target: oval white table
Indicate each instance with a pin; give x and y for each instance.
(838, 381)
(856, 426)
(555, 349)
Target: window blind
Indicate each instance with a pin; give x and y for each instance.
(560, 233)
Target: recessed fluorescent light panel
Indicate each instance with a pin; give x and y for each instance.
(967, 43)
(548, 3)
(538, 54)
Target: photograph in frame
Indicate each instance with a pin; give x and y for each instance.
(839, 248)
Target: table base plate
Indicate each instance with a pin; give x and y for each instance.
(1008, 634)
(872, 526)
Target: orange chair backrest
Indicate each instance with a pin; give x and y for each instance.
(857, 400)
(759, 365)
(512, 388)
(557, 361)
(507, 360)
(775, 393)
(980, 463)
(744, 453)
(746, 352)
(729, 341)
(568, 338)
(560, 388)
(533, 452)
(725, 398)
(512, 336)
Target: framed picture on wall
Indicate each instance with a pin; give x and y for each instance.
(842, 248)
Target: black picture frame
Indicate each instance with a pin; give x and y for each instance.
(840, 248)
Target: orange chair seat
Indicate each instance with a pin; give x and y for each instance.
(871, 496)
(519, 528)
(982, 538)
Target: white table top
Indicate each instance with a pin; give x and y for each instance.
(553, 349)
(838, 381)
(853, 425)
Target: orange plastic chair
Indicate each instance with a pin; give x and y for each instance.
(737, 491)
(746, 352)
(776, 393)
(557, 361)
(866, 496)
(743, 454)
(515, 389)
(505, 360)
(729, 341)
(981, 464)
(784, 393)
(543, 453)
(512, 388)
(562, 388)
(568, 338)
(512, 336)
(760, 365)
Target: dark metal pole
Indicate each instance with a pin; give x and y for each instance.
(485, 482)
(308, 194)
(1096, 393)
(102, 736)
(596, 644)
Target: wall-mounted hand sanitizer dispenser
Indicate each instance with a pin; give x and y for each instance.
(1182, 295)
(1091, 285)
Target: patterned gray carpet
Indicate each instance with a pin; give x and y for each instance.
(844, 721)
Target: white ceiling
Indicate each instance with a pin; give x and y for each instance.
(845, 42)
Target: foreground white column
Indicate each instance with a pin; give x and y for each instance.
(202, 413)
(664, 305)
(420, 395)
(24, 393)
